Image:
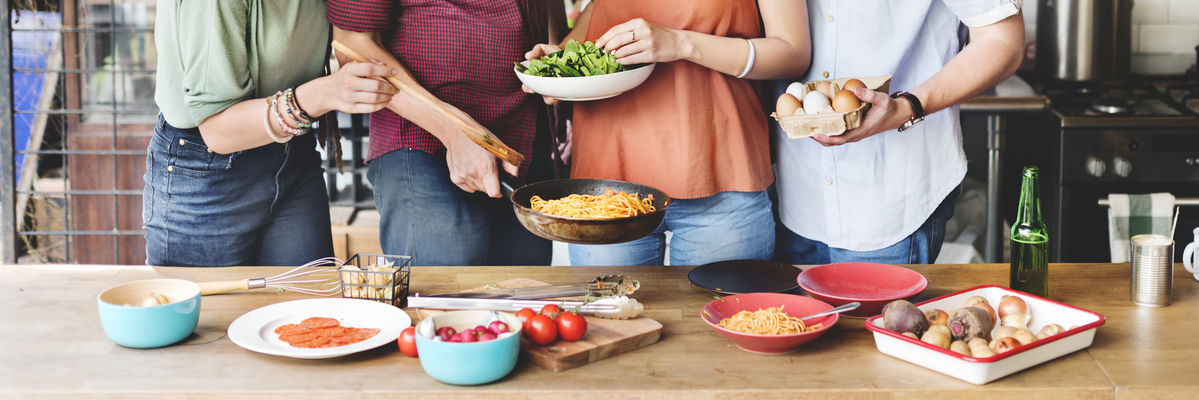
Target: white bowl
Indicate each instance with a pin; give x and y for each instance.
(584, 88)
(982, 370)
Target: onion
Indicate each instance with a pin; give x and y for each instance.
(1004, 345)
(1014, 305)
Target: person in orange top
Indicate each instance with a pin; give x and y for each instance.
(695, 129)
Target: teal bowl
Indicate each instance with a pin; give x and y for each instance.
(132, 318)
(473, 363)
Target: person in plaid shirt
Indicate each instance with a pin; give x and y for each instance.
(438, 192)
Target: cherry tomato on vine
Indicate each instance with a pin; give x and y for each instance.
(571, 326)
(523, 315)
(542, 329)
(407, 342)
(550, 310)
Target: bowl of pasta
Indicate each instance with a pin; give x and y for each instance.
(768, 323)
(589, 211)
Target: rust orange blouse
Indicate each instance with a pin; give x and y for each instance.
(690, 131)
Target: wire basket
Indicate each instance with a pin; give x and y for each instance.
(377, 277)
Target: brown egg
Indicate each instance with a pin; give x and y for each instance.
(846, 101)
(828, 88)
(853, 83)
(787, 104)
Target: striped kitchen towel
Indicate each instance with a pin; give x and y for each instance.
(1129, 215)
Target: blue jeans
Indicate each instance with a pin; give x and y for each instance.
(263, 206)
(921, 247)
(424, 215)
(724, 226)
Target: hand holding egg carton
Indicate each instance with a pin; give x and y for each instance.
(826, 107)
(376, 277)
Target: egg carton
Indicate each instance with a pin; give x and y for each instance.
(830, 123)
(378, 277)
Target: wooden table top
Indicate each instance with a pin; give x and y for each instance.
(52, 346)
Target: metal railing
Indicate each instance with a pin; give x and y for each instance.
(79, 196)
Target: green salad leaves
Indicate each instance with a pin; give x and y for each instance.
(574, 59)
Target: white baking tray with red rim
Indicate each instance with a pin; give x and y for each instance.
(1080, 324)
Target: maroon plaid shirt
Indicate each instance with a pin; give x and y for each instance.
(461, 51)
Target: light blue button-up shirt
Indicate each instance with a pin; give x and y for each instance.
(873, 193)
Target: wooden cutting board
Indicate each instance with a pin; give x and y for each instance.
(604, 338)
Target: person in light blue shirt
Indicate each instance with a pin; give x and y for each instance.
(882, 192)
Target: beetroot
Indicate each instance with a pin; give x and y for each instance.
(903, 316)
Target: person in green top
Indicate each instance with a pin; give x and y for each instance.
(232, 177)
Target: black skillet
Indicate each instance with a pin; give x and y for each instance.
(580, 230)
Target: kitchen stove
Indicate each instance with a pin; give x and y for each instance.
(1139, 136)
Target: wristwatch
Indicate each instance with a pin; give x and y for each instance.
(917, 110)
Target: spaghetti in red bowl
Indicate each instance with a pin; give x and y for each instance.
(763, 327)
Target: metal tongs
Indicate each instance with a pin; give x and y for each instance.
(615, 307)
(607, 285)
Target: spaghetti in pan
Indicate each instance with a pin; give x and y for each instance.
(610, 204)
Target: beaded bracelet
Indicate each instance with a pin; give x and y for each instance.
(266, 123)
(289, 101)
(295, 100)
(279, 117)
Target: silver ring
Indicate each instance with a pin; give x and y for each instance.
(634, 35)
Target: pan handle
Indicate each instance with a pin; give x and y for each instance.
(508, 184)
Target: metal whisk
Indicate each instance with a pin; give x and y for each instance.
(313, 278)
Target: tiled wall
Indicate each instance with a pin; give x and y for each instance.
(1164, 36)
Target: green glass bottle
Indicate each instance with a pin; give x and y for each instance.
(1030, 241)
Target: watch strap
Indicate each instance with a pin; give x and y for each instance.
(917, 109)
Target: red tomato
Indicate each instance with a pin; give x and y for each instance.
(407, 341)
(571, 326)
(551, 310)
(524, 314)
(542, 329)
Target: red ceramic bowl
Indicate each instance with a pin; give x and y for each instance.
(793, 305)
(873, 285)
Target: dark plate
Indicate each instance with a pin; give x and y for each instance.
(745, 276)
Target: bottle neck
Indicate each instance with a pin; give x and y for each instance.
(1030, 201)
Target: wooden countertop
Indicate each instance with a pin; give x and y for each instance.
(52, 346)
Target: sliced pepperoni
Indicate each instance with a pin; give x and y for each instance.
(330, 331)
(298, 338)
(316, 342)
(319, 322)
(363, 333)
(291, 329)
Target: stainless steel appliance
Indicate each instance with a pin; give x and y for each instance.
(1139, 136)
(1084, 40)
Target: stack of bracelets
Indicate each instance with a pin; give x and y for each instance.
(286, 111)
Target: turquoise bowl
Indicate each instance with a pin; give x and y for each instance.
(129, 323)
(473, 363)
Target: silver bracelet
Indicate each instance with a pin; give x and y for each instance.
(749, 63)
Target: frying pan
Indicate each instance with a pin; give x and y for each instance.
(581, 230)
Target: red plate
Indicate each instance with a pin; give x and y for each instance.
(873, 285)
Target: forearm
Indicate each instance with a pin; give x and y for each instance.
(993, 54)
(774, 57)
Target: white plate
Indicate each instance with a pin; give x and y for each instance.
(982, 370)
(255, 330)
(585, 88)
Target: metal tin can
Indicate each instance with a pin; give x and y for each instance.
(1152, 262)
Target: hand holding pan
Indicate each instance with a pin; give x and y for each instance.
(583, 230)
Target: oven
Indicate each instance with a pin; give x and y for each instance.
(1132, 137)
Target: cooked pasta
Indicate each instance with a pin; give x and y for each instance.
(611, 204)
(766, 321)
